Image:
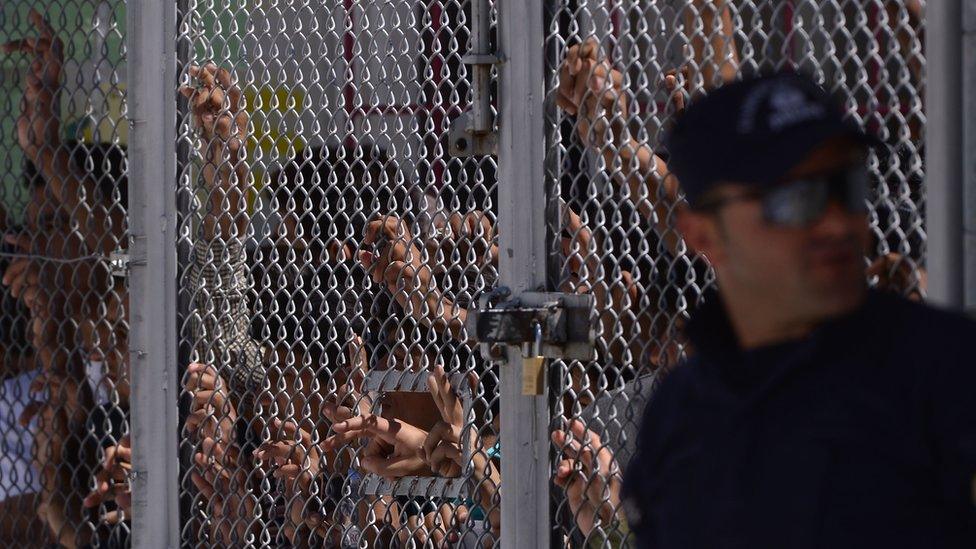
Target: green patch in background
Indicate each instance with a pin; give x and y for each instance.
(92, 99)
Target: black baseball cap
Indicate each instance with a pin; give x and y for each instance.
(754, 131)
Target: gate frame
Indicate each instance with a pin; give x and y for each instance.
(950, 151)
(154, 359)
(525, 520)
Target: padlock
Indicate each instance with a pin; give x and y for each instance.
(533, 365)
(533, 369)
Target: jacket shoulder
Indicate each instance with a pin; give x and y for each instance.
(923, 323)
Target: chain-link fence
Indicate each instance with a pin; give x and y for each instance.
(620, 73)
(335, 223)
(331, 247)
(64, 398)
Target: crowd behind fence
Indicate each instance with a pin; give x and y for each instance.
(333, 237)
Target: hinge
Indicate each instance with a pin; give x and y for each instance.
(118, 262)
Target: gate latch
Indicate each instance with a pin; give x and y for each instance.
(473, 133)
(566, 323)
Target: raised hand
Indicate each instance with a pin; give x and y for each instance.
(394, 259)
(223, 484)
(349, 399)
(892, 272)
(574, 73)
(582, 258)
(675, 91)
(23, 273)
(394, 447)
(589, 475)
(112, 482)
(442, 450)
(296, 461)
(474, 235)
(38, 127)
(592, 90)
(216, 106)
(446, 400)
(212, 415)
(215, 102)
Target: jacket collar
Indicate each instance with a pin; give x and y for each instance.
(716, 349)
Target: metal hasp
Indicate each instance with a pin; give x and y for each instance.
(472, 133)
(566, 321)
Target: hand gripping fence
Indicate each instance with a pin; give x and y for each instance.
(368, 242)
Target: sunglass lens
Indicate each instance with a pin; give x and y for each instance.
(797, 203)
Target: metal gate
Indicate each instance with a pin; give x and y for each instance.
(330, 245)
(333, 202)
(65, 393)
(617, 74)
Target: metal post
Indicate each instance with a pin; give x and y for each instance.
(152, 282)
(480, 105)
(943, 151)
(522, 266)
(969, 153)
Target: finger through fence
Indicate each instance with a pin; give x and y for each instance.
(619, 74)
(333, 394)
(65, 393)
(338, 217)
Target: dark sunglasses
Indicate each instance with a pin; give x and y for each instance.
(800, 202)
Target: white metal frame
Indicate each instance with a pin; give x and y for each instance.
(522, 266)
(152, 226)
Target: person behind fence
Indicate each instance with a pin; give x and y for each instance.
(19, 479)
(594, 91)
(75, 218)
(591, 89)
(310, 193)
(398, 263)
(226, 386)
(814, 412)
(78, 336)
(62, 412)
(308, 266)
(307, 270)
(86, 188)
(244, 393)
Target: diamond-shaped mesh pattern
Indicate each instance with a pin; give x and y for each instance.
(329, 248)
(64, 397)
(618, 72)
(330, 245)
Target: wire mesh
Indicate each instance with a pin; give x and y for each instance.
(65, 391)
(330, 246)
(618, 73)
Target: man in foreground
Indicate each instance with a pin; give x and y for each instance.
(813, 412)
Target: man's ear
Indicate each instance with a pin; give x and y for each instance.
(700, 232)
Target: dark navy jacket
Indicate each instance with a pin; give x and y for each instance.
(862, 435)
